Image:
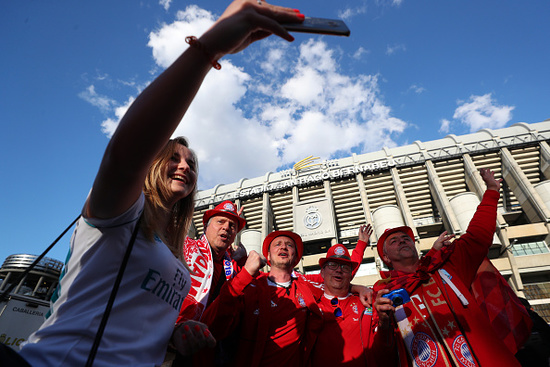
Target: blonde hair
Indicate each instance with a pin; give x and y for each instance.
(157, 190)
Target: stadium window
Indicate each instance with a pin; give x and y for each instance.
(529, 248)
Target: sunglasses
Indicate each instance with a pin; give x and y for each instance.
(337, 311)
(334, 266)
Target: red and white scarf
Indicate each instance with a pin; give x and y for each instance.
(198, 256)
(429, 328)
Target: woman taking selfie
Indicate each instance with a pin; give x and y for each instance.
(143, 175)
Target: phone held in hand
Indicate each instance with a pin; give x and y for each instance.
(335, 27)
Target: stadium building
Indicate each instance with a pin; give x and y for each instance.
(429, 186)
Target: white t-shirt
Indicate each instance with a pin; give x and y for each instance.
(147, 304)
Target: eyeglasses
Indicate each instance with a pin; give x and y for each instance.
(337, 311)
(334, 266)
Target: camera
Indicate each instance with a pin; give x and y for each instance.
(398, 297)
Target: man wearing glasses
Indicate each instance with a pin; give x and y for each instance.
(345, 337)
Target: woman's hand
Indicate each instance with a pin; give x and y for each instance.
(245, 22)
(191, 336)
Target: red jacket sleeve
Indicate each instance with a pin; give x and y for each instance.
(472, 247)
(223, 315)
(357, 254)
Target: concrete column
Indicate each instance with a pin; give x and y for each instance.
(402, 200)
(441, 200)
(328, 195)
(365, 201)
(531, 202)
(267, 216)
(545, 159)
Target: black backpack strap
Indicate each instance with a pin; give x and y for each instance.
(111, 301)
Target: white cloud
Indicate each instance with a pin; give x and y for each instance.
(169, 41)
(417, 89)
(483, 112)
(396, 3)
(109, 126)
(445, 126)
(358, 54)
(349, 12)
(165, 4)
(390, 50)
(291, 101)
(104, 103)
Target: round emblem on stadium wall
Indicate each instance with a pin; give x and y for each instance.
(424, 350)
(313, 218)
(462, 352)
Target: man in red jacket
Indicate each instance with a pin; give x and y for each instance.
(269, 309)
(210, 258)
(211, 261)
(438, 320)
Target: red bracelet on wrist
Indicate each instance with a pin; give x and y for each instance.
(194, 42)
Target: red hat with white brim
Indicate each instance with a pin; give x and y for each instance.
(294, 236)
(227, 209)
(340, 254)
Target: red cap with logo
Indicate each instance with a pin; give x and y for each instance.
(340, 254)
(226, 209)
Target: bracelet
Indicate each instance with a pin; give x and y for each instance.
(194, 42)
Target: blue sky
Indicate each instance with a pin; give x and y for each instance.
(411, 70)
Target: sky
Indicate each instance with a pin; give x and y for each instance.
(410, 70)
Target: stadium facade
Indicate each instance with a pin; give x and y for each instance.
(429, 186)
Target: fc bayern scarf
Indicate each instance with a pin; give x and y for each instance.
(198, 256)
(431, 333)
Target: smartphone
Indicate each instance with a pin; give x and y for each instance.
(334, 27)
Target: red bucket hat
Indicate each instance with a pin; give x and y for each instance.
(340, 254)
(227, 209)
(387, 232)
(294, 236)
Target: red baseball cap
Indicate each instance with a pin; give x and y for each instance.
(227, 209)
(294, 236)
(380, 244)
(340, 254)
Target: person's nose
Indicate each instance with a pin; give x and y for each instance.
(183, 166)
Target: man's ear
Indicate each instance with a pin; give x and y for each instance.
(322, 273)
(386, 259)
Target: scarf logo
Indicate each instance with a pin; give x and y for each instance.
(424, 350)
(462, 352)
(301, 300)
